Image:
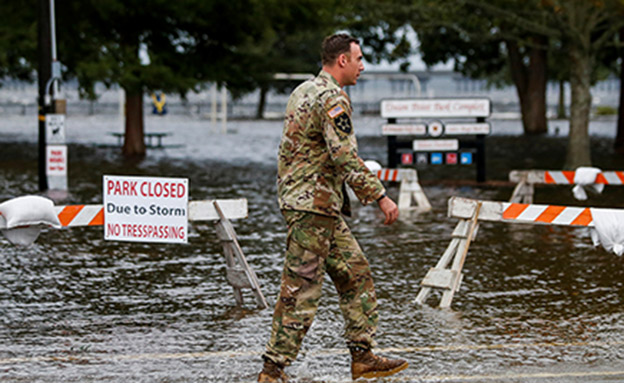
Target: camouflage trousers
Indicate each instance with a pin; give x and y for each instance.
(317, 244)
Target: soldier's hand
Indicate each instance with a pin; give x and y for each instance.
(390, 209)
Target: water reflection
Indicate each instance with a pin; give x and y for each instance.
(74, 307)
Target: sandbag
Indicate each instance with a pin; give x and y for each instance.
(585, 179)
(22, 218)
(608, 229)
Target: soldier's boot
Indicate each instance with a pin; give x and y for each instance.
(272, 373)
(367, 365)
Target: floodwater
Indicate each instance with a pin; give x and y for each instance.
(537, 303)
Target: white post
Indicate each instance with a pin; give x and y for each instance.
(213, 107)
(122, 109)
(223, 109)
(55, 65)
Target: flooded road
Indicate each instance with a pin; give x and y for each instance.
(537, 303)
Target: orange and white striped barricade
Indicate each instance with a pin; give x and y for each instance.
(470, 212)
(526, 179)
(409, 188)
(239, 274)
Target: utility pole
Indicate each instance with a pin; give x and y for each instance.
(52, 108)
(44, 73)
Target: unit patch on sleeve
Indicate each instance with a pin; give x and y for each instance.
(342, 121)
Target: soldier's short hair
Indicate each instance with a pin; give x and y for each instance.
(335, 45)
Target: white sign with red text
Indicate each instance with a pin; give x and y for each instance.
(440, 107)
(433, 145)
(56, 160)
(145, 209)
(404, 129)
(467, 128)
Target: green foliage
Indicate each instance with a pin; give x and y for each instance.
(447, 30)
(296, 30)
(18, 39)
(189, 42)
(605, 110)
(472, 33)
(384, 27)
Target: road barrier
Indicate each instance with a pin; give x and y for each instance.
(238, 272)
(527, 179)
(409, 189)
(470, 212)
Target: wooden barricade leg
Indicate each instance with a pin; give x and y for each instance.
(439, 276)
(411, 189)
(449, 280)
(528, 194)
(405, 196)
(239, 274)
(523, 192)
(236, 276)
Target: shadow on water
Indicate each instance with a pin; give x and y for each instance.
(534, 300)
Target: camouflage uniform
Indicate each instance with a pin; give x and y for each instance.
(317, 156)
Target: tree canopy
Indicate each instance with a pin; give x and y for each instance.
(482, 34)
(18, 40)
(188, 43)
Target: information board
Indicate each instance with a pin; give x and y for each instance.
(440, 107)
(454, 128)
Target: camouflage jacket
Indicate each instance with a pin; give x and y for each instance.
(318, 151)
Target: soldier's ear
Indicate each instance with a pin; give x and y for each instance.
(342, 59)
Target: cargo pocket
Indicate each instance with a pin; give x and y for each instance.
(303, 262)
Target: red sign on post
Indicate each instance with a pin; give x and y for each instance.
(407, 158)
(56, 158)
(451, 158)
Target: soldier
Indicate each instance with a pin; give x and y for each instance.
(317, 156)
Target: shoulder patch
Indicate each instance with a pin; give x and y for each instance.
(343, 123)
(335, 111)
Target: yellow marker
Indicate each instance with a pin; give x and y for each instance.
(159, 103)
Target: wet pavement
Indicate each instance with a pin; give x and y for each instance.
(537, 303)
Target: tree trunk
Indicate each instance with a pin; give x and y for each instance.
(261, 103)
(619, 138)
(578, 153)
(530, 84)
(537, 88)
(134, 144)
(518, 75)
